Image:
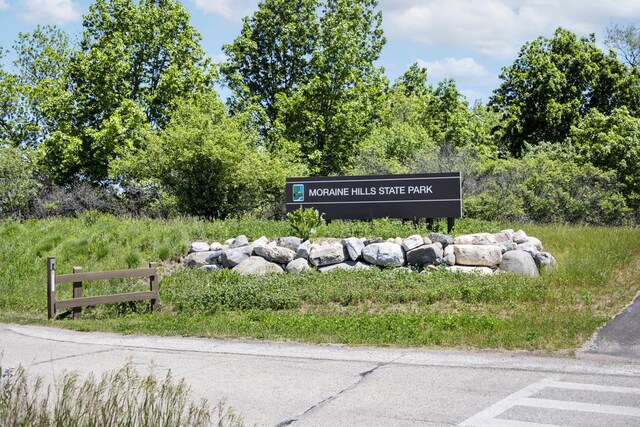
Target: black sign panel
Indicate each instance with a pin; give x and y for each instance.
(436, 195)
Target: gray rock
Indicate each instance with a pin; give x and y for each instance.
(234, 256)
(484, 271)
(327, 254)
(412, 242)
(535, 242)
(277, 254)
(199, 259)
(424, 255)
(505, 236)
(427, 241)
(545, 262)
(326, 241)
(476, 239)
(478, 255)
(519, 262)
(527, 247)
(262, 241)
(257, 266)
(289, 242)
(199, 247)
(303, 250)
(347, 265)
(212, 268)
(239, 242)
(449, 257)
(384, 254)
(353, 247)
(520, 236)
(215, 246)
(508, 246)
(228, 242)
(442, 238)
(298, 266)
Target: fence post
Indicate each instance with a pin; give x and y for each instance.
(51, 288)
(153, 285)
(77, 293)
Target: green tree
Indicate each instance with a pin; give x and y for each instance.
(612, 143)
(12, 117)
(271, 56)
(625, 39)
(18, 184)
(553, 83)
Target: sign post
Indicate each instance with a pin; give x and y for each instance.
(418, 196)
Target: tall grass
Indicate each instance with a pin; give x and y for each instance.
(123, 397)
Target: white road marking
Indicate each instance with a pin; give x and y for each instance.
(488, 417)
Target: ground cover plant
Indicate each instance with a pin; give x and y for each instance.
(597, 277)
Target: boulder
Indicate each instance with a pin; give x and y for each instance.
(478, 255)
(228, 242)
(427, 241)
(234, 256)
(303, 250)
(412, 242)
(519, 262)
(508, 246)
(347, 265)
(519, 236)
(505, 236)
(262, 241)
(298, 266)
(424, 255)
(535, 242)
(327, 254)
(353, 247)
(320, 241)
(442, 238)
(484, 271)
(199, 247)
(215, 246)
(199, 259)
(289, 242)
(476, 239)
(545, 262)
(257, 266)
(277, 254)
(384, 254)
(449, 257)
(527, 247)
(368, 242)
(239, 242)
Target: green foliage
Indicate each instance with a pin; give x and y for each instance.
(18, 184)
(543, 189)
(208, 162)
(304, 222)
(553, 83)
(132, 398)
(612, 143)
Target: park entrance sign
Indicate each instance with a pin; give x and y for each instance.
(429, 196)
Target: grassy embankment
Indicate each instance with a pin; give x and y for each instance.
(598, 275)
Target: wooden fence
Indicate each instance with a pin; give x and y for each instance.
(78, 277)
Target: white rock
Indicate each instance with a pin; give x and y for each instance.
(199, 247)
(476, 239)
(327, 254)
(520, 236)
(535, 242)
(449, 255)
(347, 265)
(262, 241)
(519, 262)
(353, 247)
(257, 266)
(289, 242)
(239, 242)
(215, 246)
(412, 242)
(298, 266)
(277, 254)
(478, 255)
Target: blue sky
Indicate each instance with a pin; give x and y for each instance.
(468, 40)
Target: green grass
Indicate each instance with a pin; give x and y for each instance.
(597, 277)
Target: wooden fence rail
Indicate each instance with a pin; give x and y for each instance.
(78, 277)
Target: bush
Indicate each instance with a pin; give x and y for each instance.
(543, 189)
(18, 184)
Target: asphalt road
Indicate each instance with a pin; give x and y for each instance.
(621, 336)
(279, 384)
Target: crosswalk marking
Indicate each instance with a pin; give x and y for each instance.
(489, 416)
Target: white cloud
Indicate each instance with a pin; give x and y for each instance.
(233, 10)
(50, 11)
(497, 28)
(465, 69)
(3, 5)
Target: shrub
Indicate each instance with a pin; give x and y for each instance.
(18, 184)
(304, 222)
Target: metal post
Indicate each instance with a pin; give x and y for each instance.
(77, 293)
(451, 223)
(51, 287)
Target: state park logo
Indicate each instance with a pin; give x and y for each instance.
(298, 192)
